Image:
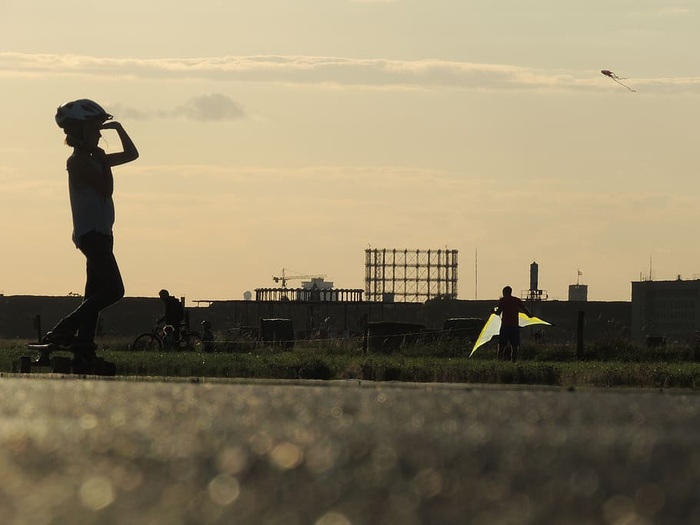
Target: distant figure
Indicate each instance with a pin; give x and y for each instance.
(169, 339)
(174, 312)
(207, 336)
(508, 308)
(90, 187)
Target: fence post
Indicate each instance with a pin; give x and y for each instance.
(579, 335)
(37, 325)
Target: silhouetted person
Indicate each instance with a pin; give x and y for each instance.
(90, 186)
(508, 308)
(174, 312)
(207, 336)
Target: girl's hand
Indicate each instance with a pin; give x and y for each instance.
(111, 124)
(129, 152)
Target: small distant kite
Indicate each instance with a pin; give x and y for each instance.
(617, 79)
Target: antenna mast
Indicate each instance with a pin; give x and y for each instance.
(476, 273)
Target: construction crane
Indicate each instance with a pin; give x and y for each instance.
(285, 277)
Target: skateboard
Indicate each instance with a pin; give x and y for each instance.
(77, 364)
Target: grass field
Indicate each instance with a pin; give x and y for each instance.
(603, 365)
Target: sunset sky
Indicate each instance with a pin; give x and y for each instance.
(297, 133)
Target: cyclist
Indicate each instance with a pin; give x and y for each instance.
(174, 313)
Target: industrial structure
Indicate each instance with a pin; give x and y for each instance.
(393, 275)
(534, 294)
(285, 277)
(665, 310)
(314, 290)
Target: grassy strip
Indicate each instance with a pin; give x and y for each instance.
(319, 363)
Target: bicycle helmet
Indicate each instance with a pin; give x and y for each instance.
(79, 111)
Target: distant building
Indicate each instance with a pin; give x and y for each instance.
(317, 283)
(316, 290)
(665, 309)
(578, 293)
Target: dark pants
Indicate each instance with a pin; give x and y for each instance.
(103, 287)
(508, 335)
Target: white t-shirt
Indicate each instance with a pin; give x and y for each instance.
(91, 211)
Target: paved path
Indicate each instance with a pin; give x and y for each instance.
(80, 451)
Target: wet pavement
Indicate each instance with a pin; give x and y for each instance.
(343, 453)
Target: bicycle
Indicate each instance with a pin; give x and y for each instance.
(161, 338)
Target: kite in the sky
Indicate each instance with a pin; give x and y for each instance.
(617, 79)
(493, 327)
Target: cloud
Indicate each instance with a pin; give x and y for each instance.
(661, 11)
(211, 107)
(206, 108)
(337, 72)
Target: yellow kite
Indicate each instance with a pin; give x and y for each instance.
(493, 326)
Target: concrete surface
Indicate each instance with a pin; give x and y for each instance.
(106, 451)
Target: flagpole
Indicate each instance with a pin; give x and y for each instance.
(476, 273)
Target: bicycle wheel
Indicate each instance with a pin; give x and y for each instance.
(192, 341)
(147, 342)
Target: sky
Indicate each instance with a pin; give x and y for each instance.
(278, 134)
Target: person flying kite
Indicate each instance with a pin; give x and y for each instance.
(492, 328)
(617, 79)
